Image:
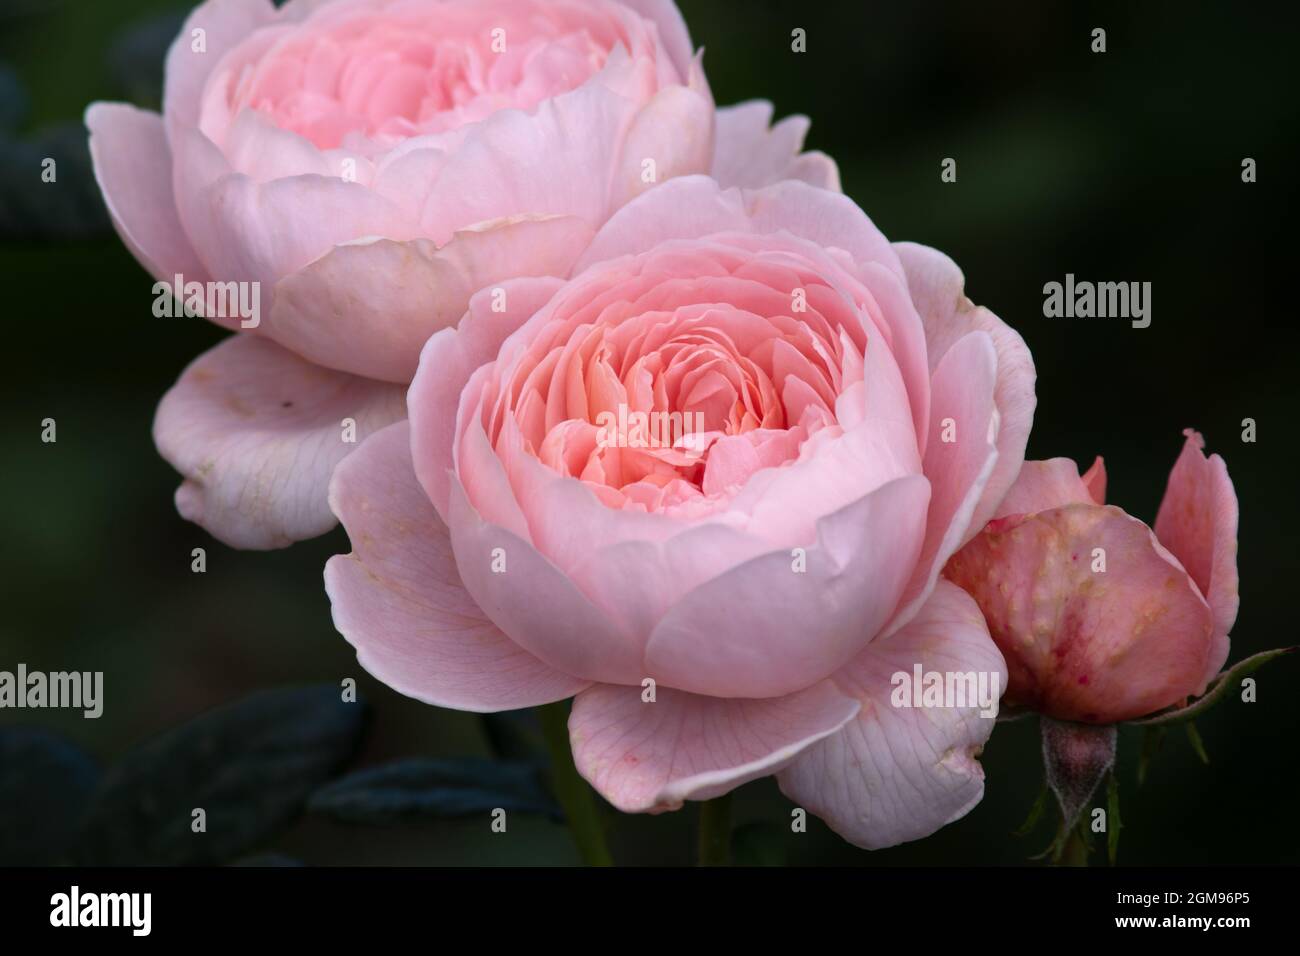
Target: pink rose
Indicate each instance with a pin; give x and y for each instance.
(532, 533)
(366, 165)
(1100, 618)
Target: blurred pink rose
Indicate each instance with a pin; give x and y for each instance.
(855, 419)
(370, 164)
(1100, 646)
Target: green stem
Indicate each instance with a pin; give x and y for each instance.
(571, 790)
(1076, 850)
(715, 831)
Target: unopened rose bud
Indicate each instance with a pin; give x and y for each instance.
(1100, 618)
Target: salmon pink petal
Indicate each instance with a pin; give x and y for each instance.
(1098, 622)
(1197, 521)
(1094, 479)
(1048, 484)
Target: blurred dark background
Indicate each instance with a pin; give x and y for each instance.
(1122, 166)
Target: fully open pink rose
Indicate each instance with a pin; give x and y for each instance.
(852, 419)
(370, 164)
(1100, 618)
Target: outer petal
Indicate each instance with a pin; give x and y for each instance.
(762, 640)
(674, 37)
(398, 599)
(1197, 521)
(896, 774)
(1042, 485)
(368, 307)
(575, 144)
(448, 360)
(937, 287)
(1084, 645)
(251, 231)
(653, 756)
(256, 432)
(133, 166)
(1094, 479)
(748, 151)
(675, 130)
(535, 603)
(224, 24)
(959, 470)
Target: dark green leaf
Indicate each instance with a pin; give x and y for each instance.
(1218, 688)
(45, 783)
(1035, 813)
(1197, 744)
(1152, 738)
(420, 788)
(249, 765)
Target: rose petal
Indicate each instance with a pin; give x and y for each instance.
(262, 232)
(133, 166)
(896, 774)
(573, 142)
(224, 23)
(674, 131)
(937, 288)
(1091, 646)
(256, 432)
(1048, 484)
(683, 208)
(1094, 479)
(398, 600)
(535, 604)
(368, 307)
(958, 470)
(674, 37)
(653, 756)
(448, 360)
(1197, 521)
(762, 640)
(748, 151)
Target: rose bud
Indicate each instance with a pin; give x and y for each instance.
(1100, 618)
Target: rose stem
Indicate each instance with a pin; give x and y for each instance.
(715, 831)
(571, 790)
